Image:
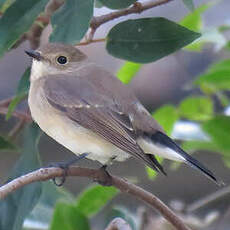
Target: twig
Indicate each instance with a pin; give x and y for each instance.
(136, 8)
(124, 186)
(92, 41)
(5, 102)
(20, 115)
(118, 224)
(16, 129)
(208, 199)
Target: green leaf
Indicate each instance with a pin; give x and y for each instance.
(16, 206)
(6, 145)
(193, 21)
(189, 4)
(128, 71)
(221, 65)
(2, 2)
(196, 108)
(192, 146)
(117, 4)
(93, 199)
(147, 39)
(218, 129)
(71, 21)
(217, 80)
(17, 20)
(166, 115)
(68, 217)
(21, 93)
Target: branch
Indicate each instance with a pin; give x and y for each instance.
(124, 186)
(136, 8)
(21, 115)
(118, 224)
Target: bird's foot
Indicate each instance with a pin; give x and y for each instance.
(105, 178)
(65, 166)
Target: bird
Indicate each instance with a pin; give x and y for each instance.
(87, 109)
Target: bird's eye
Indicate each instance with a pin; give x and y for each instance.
(62, 60)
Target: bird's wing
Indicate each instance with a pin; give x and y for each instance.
(88, 106)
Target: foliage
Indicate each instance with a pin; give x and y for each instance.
(138, 41)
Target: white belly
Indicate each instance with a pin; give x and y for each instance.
(69, 134)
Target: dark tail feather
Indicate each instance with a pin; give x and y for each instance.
(164, 140)
(156, 163)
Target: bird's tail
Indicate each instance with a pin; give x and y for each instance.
(163, 140)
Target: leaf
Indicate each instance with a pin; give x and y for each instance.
(21, 93)
(128, 71)
(196, 108)
(2, 2)
(192, 146)
(117, 4)
(189, 4)
(17, 20)
(16, 206)
(147, 39)
(193, 21)
(218, 80)
(93, 199)
(68, 217)
(218, 129)
(166, 116)
(6, 145)
(71, 21)
(221, 65)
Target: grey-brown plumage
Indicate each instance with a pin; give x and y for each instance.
(79, 99)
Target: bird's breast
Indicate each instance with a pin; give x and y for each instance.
(68, 133)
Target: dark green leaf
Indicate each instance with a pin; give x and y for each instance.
(6, 145)
(218, 129)
(17, 20)
(147, 39)
(93, 199)
(128, 71)
(68, 217)
(196, 108)
(166, 116)
(218, 80)
(22, 91)
(15, 207)
(71, 21)
(117, 4)
(189, 4)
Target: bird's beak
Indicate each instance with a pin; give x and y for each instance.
(34, 54)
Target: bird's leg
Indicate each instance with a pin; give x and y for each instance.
(65, 166)
(105, 178)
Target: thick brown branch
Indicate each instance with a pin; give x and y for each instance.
(124, 186)
(134, 9)
(118, 224)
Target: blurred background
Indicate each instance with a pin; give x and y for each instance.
(165, 81)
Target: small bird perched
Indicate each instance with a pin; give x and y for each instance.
(88, 110)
